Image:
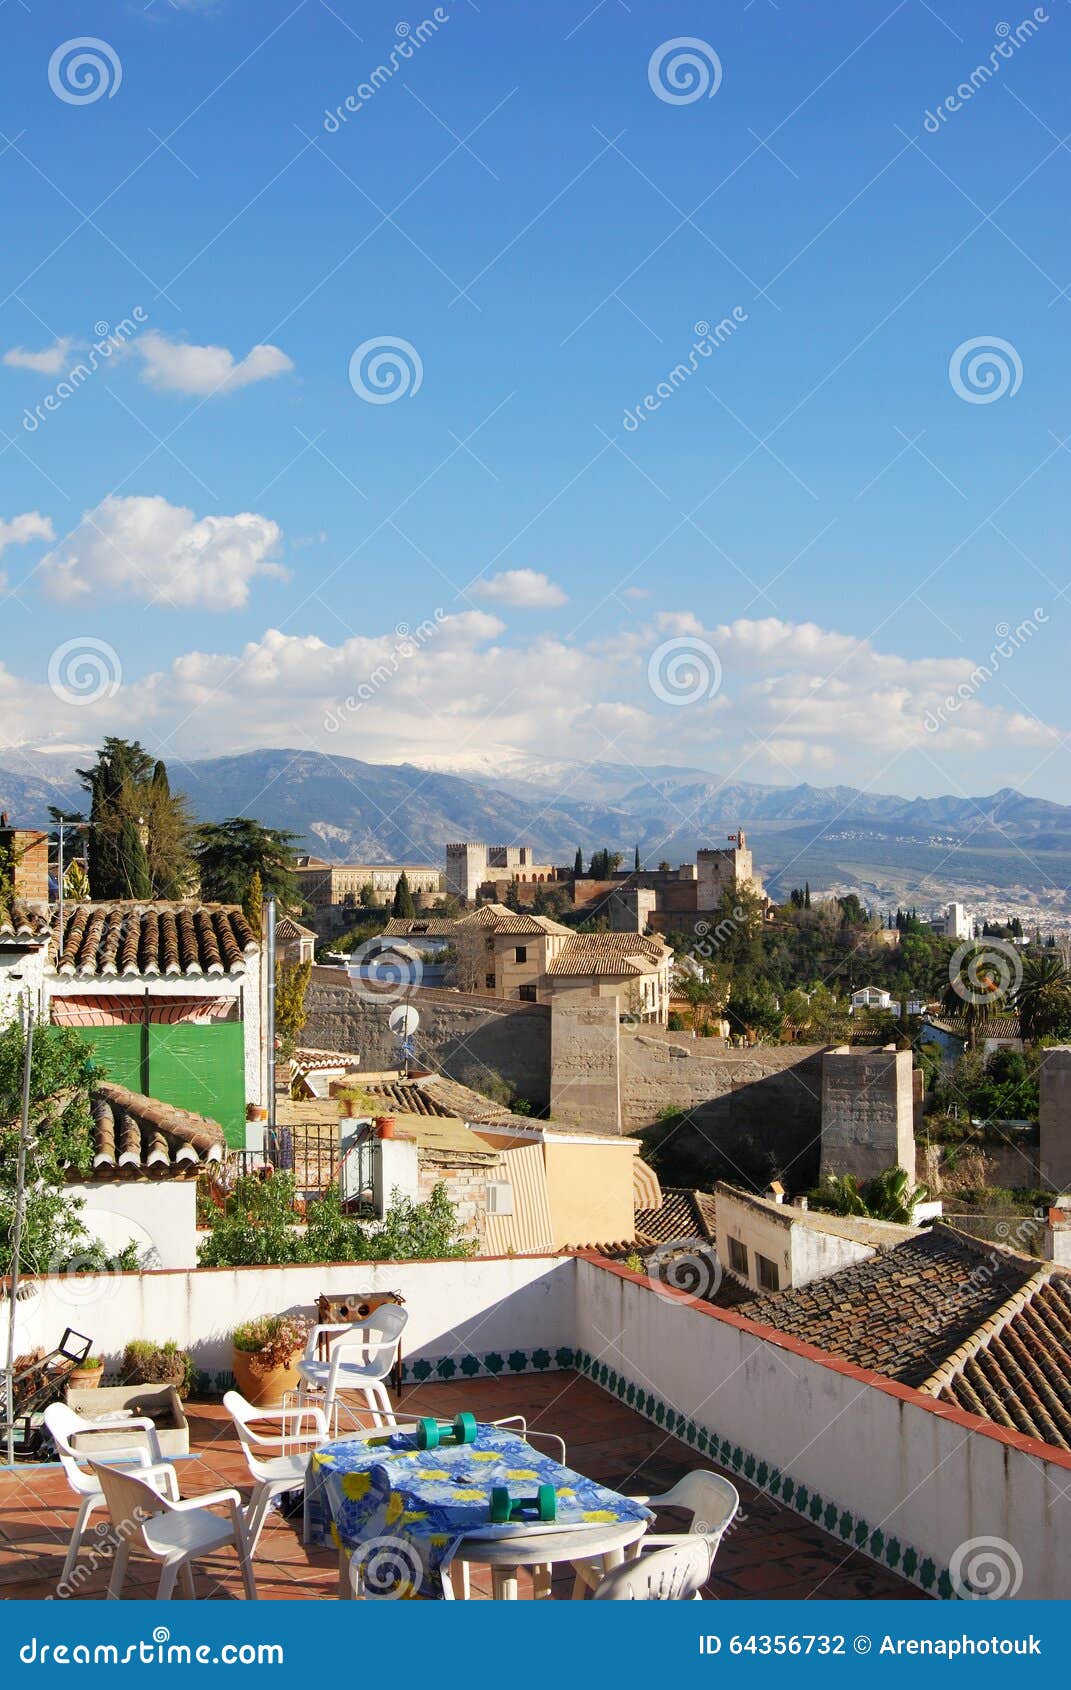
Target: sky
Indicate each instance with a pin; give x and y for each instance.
(646, 383)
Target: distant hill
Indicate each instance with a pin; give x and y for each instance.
(887, 846)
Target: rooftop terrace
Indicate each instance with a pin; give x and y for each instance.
(769, 1552)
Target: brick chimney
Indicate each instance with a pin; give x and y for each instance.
(26, 849)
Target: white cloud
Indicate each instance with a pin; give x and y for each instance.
(523, 589)
(31, 525)
(144, 548)
(48, 362)
(175, 366)
(796, 702)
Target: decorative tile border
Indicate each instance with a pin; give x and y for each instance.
(495, 1364)
(887, 1550)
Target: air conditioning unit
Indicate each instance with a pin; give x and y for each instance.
(499, 1197)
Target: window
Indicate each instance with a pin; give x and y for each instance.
(499, 1197)
(527, 994)
(520, 953)
(767, 1272)
(489, 982)
(738, 1256)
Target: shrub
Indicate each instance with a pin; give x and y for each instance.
(146, 1363)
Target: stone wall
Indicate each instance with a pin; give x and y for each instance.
(747, 1114)
(585, 1084)
(867, 1112)
(1056, 1118)
(460, 1036)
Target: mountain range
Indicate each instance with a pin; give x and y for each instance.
(922, 850)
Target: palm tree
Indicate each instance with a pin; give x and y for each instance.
(972, 994)
(1043, 1001)
(889, 1196)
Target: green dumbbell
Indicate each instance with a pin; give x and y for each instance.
(506, 1509)
(435, 1434)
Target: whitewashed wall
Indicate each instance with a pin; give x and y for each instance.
(160, 1218)
(912, 1472)
(454, 1307)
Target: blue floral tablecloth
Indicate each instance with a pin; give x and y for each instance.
(403, 1509)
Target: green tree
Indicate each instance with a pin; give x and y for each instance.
(54, 1237)
(403, 905)
(138, 844)
(1043, 1000)
(253, 903)
(291, 984)
(578, 864)
(230, 852)
(889, 1196)
(636, 862)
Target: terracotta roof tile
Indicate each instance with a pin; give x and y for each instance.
(1020, 1375)
(608, 953)
(136, 1136)
(681, 1215)
(22, 923)
(903, 1311)
(174, 940)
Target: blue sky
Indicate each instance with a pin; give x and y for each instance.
(815, 504)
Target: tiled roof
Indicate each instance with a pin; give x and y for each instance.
(904, 1311)
(501, 920)
(1016, 1371)
(408, 1099)
(172, 940)
(347, 1060)
(993, 1027)
(608, 953)
(22, 923)
(681, 1215)
(136, 1136)
(287, 928)
(419, 927)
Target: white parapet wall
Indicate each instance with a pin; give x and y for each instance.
(491, 1306)
(905, 1479)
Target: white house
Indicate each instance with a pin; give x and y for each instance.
(871, 997)
(772, 1246)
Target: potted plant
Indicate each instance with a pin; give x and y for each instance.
(146, 1363)
(87, 1375)
(266, 1353)
(386, 1126)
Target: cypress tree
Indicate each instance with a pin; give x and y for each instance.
(403, 899)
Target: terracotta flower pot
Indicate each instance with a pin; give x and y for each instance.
(85, 1378)
(386, 1126)
(263, 1387)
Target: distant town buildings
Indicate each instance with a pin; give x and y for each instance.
(473, 865)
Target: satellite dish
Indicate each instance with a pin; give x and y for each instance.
(404, 1021)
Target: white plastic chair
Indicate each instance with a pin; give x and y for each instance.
(277, 1461)
(676, 1574)
(65, 1426)
(711, 1500)
(176, 1533)
(520, 1424)
(360, 1358)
